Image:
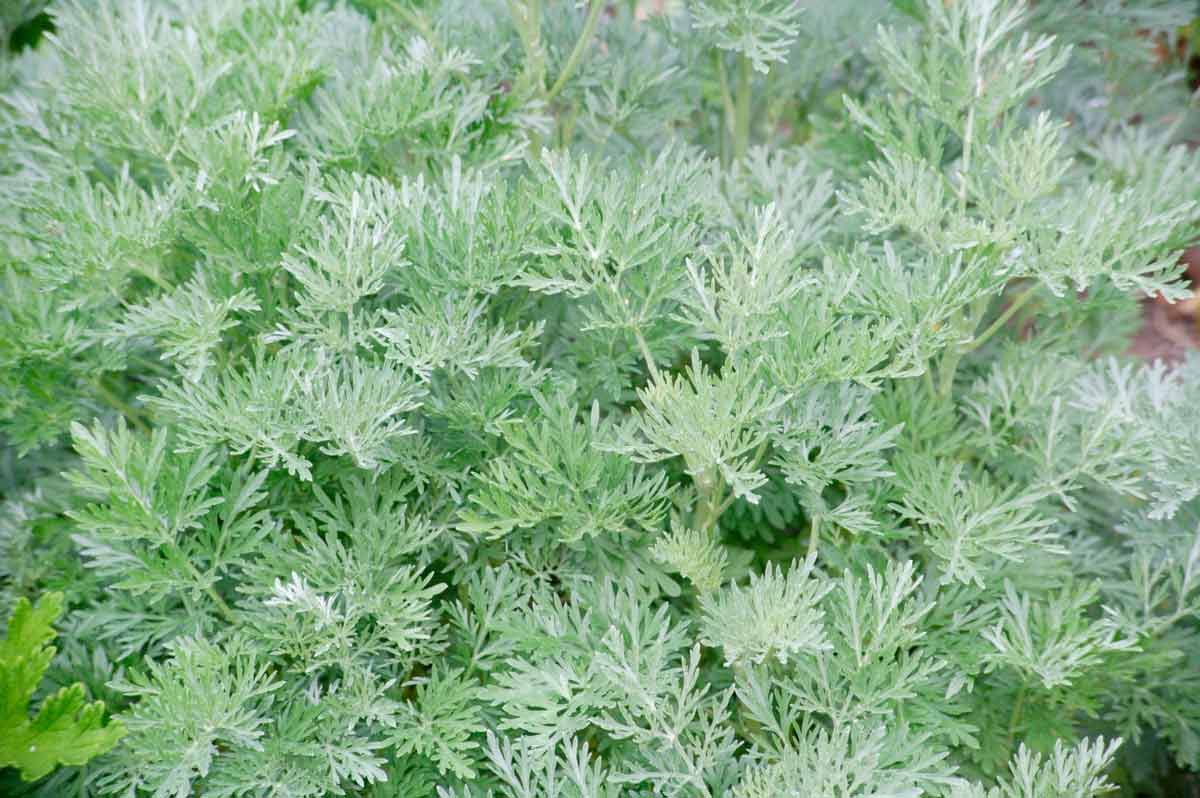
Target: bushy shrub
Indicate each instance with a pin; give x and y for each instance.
(540, 398)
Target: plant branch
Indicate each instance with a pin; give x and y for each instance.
(759, 453)
(712, 505)
(585, 37)
(528, 19)
(741, 131)
(222, 607)
(726, 97)
(131, 413)
(417, 20)
(966, 157)
(947, 369)
(1015, 718)
(646, 355)
(1019, 302)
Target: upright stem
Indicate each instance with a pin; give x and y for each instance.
(946, 371)
(966, 158)
(153, 276)
(727, 104)
(646, 355)
(528, 18)
(710, 507)
(931, 583)
(954, 356)
(1002, 319)
(132, 414)
(567, 130)
(814, 536)
(1015, 717)
(527, 15)
(212, 593)
(535, 41)
(417, 20)
(741, 130)
(759, 454)
(589, 29)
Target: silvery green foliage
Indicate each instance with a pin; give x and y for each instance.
(760, 30)
(775, 617)
(605, 399)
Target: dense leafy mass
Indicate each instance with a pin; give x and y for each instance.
(532, 399)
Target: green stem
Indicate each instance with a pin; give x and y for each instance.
(1021, 300)
(726, 100)
(968, 135)
(417, 20)
(946, 371)
(931, 582)
(954, 355)
(589, 29)
(153, 276)
(528, 18)
(567, 130)
(212, 593)
(623, 131)
(759, 453)
(132, 414)
(741, 131)
(814, 536)
(710, 506)
(1015, 717)
(646, 355)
